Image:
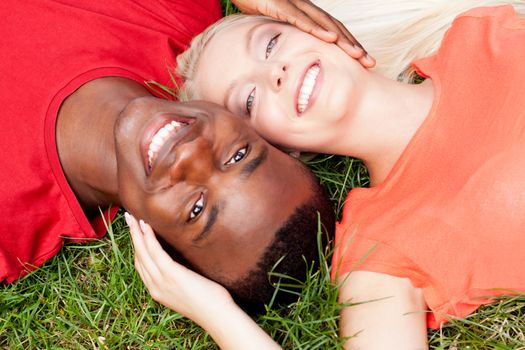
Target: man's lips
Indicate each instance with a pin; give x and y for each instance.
(161, 134)
(308, 87)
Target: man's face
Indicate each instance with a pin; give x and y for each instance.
(205, 182)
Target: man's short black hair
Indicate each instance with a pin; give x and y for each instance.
(294, 246)
(295, 249)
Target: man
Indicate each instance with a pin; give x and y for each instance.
(51, 49)
(80, 131)
(209, 185)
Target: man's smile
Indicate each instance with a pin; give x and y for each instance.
(161, 136)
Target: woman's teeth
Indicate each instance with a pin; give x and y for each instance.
(160, 138)
(307, 88)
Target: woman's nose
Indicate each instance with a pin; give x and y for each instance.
(278, 75)
(193, 162)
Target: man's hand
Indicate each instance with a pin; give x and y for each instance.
(306, 16)
(172, 284)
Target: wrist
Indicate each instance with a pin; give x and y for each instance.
(232, 329)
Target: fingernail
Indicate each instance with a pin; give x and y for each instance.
(127, 217)
(142, 224)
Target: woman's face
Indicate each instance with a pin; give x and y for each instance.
(292, 86)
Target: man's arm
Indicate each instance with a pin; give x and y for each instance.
(310, 18)
(387, 312)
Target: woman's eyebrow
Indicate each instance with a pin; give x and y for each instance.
(250, 35)
(249, 42)
(228, 93)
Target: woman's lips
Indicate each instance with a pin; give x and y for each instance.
(305, 96)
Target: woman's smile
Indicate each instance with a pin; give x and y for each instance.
(307, 85)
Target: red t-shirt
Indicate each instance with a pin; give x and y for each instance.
(49, 49)
(451, 214)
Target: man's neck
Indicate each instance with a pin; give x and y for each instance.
(85, 140)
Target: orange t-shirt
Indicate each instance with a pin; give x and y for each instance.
(450, 216)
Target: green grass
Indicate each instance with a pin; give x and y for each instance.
(89, 297)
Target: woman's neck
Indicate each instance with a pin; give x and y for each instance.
(388, 117)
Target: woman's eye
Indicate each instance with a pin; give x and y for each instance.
(197, 207)
(271, 44)
(249, 102)
(238, 156)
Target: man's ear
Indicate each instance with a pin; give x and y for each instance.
(293, 153)
(304, 156)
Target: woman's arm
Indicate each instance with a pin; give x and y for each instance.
(205, 302)
(390, 312)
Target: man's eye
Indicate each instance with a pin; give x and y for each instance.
(197, 207)
(238, 156)
(271, 44)
(249, 102)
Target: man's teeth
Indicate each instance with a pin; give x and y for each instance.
(307, 88)
(160, 138)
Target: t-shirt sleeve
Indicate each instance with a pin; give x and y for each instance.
(481, 33)
(481, 56)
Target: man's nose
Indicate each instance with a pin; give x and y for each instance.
(278, 73)
(193, 162)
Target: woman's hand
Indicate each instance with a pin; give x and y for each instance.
(192, 295)
(170, 283)
(306, 16)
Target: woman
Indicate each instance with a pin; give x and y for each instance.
(422, 237)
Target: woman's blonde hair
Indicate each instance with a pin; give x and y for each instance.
(187, 61)
(394, 32)
(398, 32)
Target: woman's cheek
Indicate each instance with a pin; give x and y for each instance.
(276, 129)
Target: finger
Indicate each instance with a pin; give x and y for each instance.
(354, 48)
(162, 260)
(137, 242)
(246, 7)
(141, 251)
(329, 23)
(367, 61)
(345, 39)
(294, 15)
(144, 276)
(360, 52)
(135, 232)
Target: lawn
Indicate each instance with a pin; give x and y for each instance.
(89, 296)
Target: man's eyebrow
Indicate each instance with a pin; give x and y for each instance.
(212, 218)
(253, 164)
